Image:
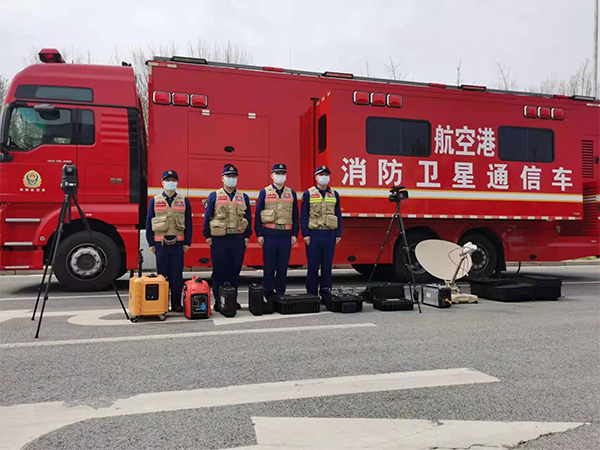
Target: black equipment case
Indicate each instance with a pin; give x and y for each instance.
(228, 300)
(393, 304)
(384, 290)
(544, 287)
(502, 289)
(256, 299)
(344, 301)
(297, 303)
(436, 295)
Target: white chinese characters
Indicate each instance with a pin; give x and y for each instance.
(354, 169)
(388, 171)
(465, 140)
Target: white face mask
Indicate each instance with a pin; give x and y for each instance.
(323, 180)
(170, 185)
(230, 181)
(279, 179)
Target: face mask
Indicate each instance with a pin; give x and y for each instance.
(323, 180)
(230, 181)
(170, 185)
(279, 179)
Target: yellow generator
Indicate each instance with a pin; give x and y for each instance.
(148, 296)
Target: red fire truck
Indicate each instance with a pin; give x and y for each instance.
(517, 174)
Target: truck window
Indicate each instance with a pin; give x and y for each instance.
(398, 137)
(28, 130)
(525, 144)
(322, 129)
(86, 127)
(67, 93)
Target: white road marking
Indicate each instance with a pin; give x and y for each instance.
(290, 433)
(21, 424)
(183, 335)
(124, 296)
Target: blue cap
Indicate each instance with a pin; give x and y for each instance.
(279, 168)
(230, 169)
(321, 169)
(169, 173)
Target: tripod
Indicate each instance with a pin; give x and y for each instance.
(65, 214)
(397, 219)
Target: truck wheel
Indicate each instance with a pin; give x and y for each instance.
(484, 258)
(79, 265)
(401, 272)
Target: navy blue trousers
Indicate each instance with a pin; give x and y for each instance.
(319, 255)
(276, 257)
(169, 263)
(227, 254)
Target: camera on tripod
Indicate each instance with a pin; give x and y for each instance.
(397, 194)
(69, 181)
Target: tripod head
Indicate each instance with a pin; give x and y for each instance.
(69, 181)
(397, 194)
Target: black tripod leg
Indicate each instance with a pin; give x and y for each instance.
(89, 230)
(387, 235)
(411, 287)
(59, 225)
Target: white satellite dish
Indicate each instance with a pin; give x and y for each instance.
(449, 262)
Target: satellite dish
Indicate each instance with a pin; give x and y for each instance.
(445, 260)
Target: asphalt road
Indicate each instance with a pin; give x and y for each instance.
(95, 381)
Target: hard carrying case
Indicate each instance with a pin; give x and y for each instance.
(196, 299)
(544, 287)
(344, 300)
(227, 300)
(297, 303)
(393, 304)
(436, 295)
(256, 299)
(384, 290)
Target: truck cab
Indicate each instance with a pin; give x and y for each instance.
(90, 116)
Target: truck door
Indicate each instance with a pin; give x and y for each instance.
(103, 155)
(322, 122)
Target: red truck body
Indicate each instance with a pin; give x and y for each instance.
(516, 174)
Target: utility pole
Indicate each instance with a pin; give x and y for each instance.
(595, 47)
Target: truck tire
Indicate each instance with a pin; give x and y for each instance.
(401, 273)
(484, 258)
(78, 265)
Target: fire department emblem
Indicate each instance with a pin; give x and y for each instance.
(281, 166)
(170, 172)
(323, 167)
(32, 179)
(231, 168)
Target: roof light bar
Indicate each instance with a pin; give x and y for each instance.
(470, 87)
(338, 75)
(50, 55)
(584, 98)
(188, 60)
(561, 96)
(272, 69)
(437, 85)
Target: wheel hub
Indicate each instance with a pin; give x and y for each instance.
(480, 259)
(85, 262)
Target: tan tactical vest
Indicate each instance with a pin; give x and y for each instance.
(228, 217)
(321, 212)
(278, 211)
(168, 220)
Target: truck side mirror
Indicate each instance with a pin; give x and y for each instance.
(47, 111)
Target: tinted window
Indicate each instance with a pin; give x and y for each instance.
(73, 94)
(322, 129)
(525, 144)
(388, 136)
(87, 129)
(28, 130)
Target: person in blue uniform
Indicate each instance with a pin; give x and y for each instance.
(227, 229)
(277, 226)
(169, 234)
(321, 223)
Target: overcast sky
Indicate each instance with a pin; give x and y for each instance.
(534, 38)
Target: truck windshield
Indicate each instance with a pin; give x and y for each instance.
(28, 130)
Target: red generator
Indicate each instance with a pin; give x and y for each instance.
(196, 299)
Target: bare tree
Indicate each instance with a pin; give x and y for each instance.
(505, 79)
(4, 82)
(458, 78)
(392, 70)
(580, 83)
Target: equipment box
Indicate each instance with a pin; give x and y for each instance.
(393, 304)
(297, 303)
(148, 296)
(228, 300)
(503, 289)
(196, 299)
(384, 290)
(436, 295)
(344, 302)
(256, 299)
(544, 287)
